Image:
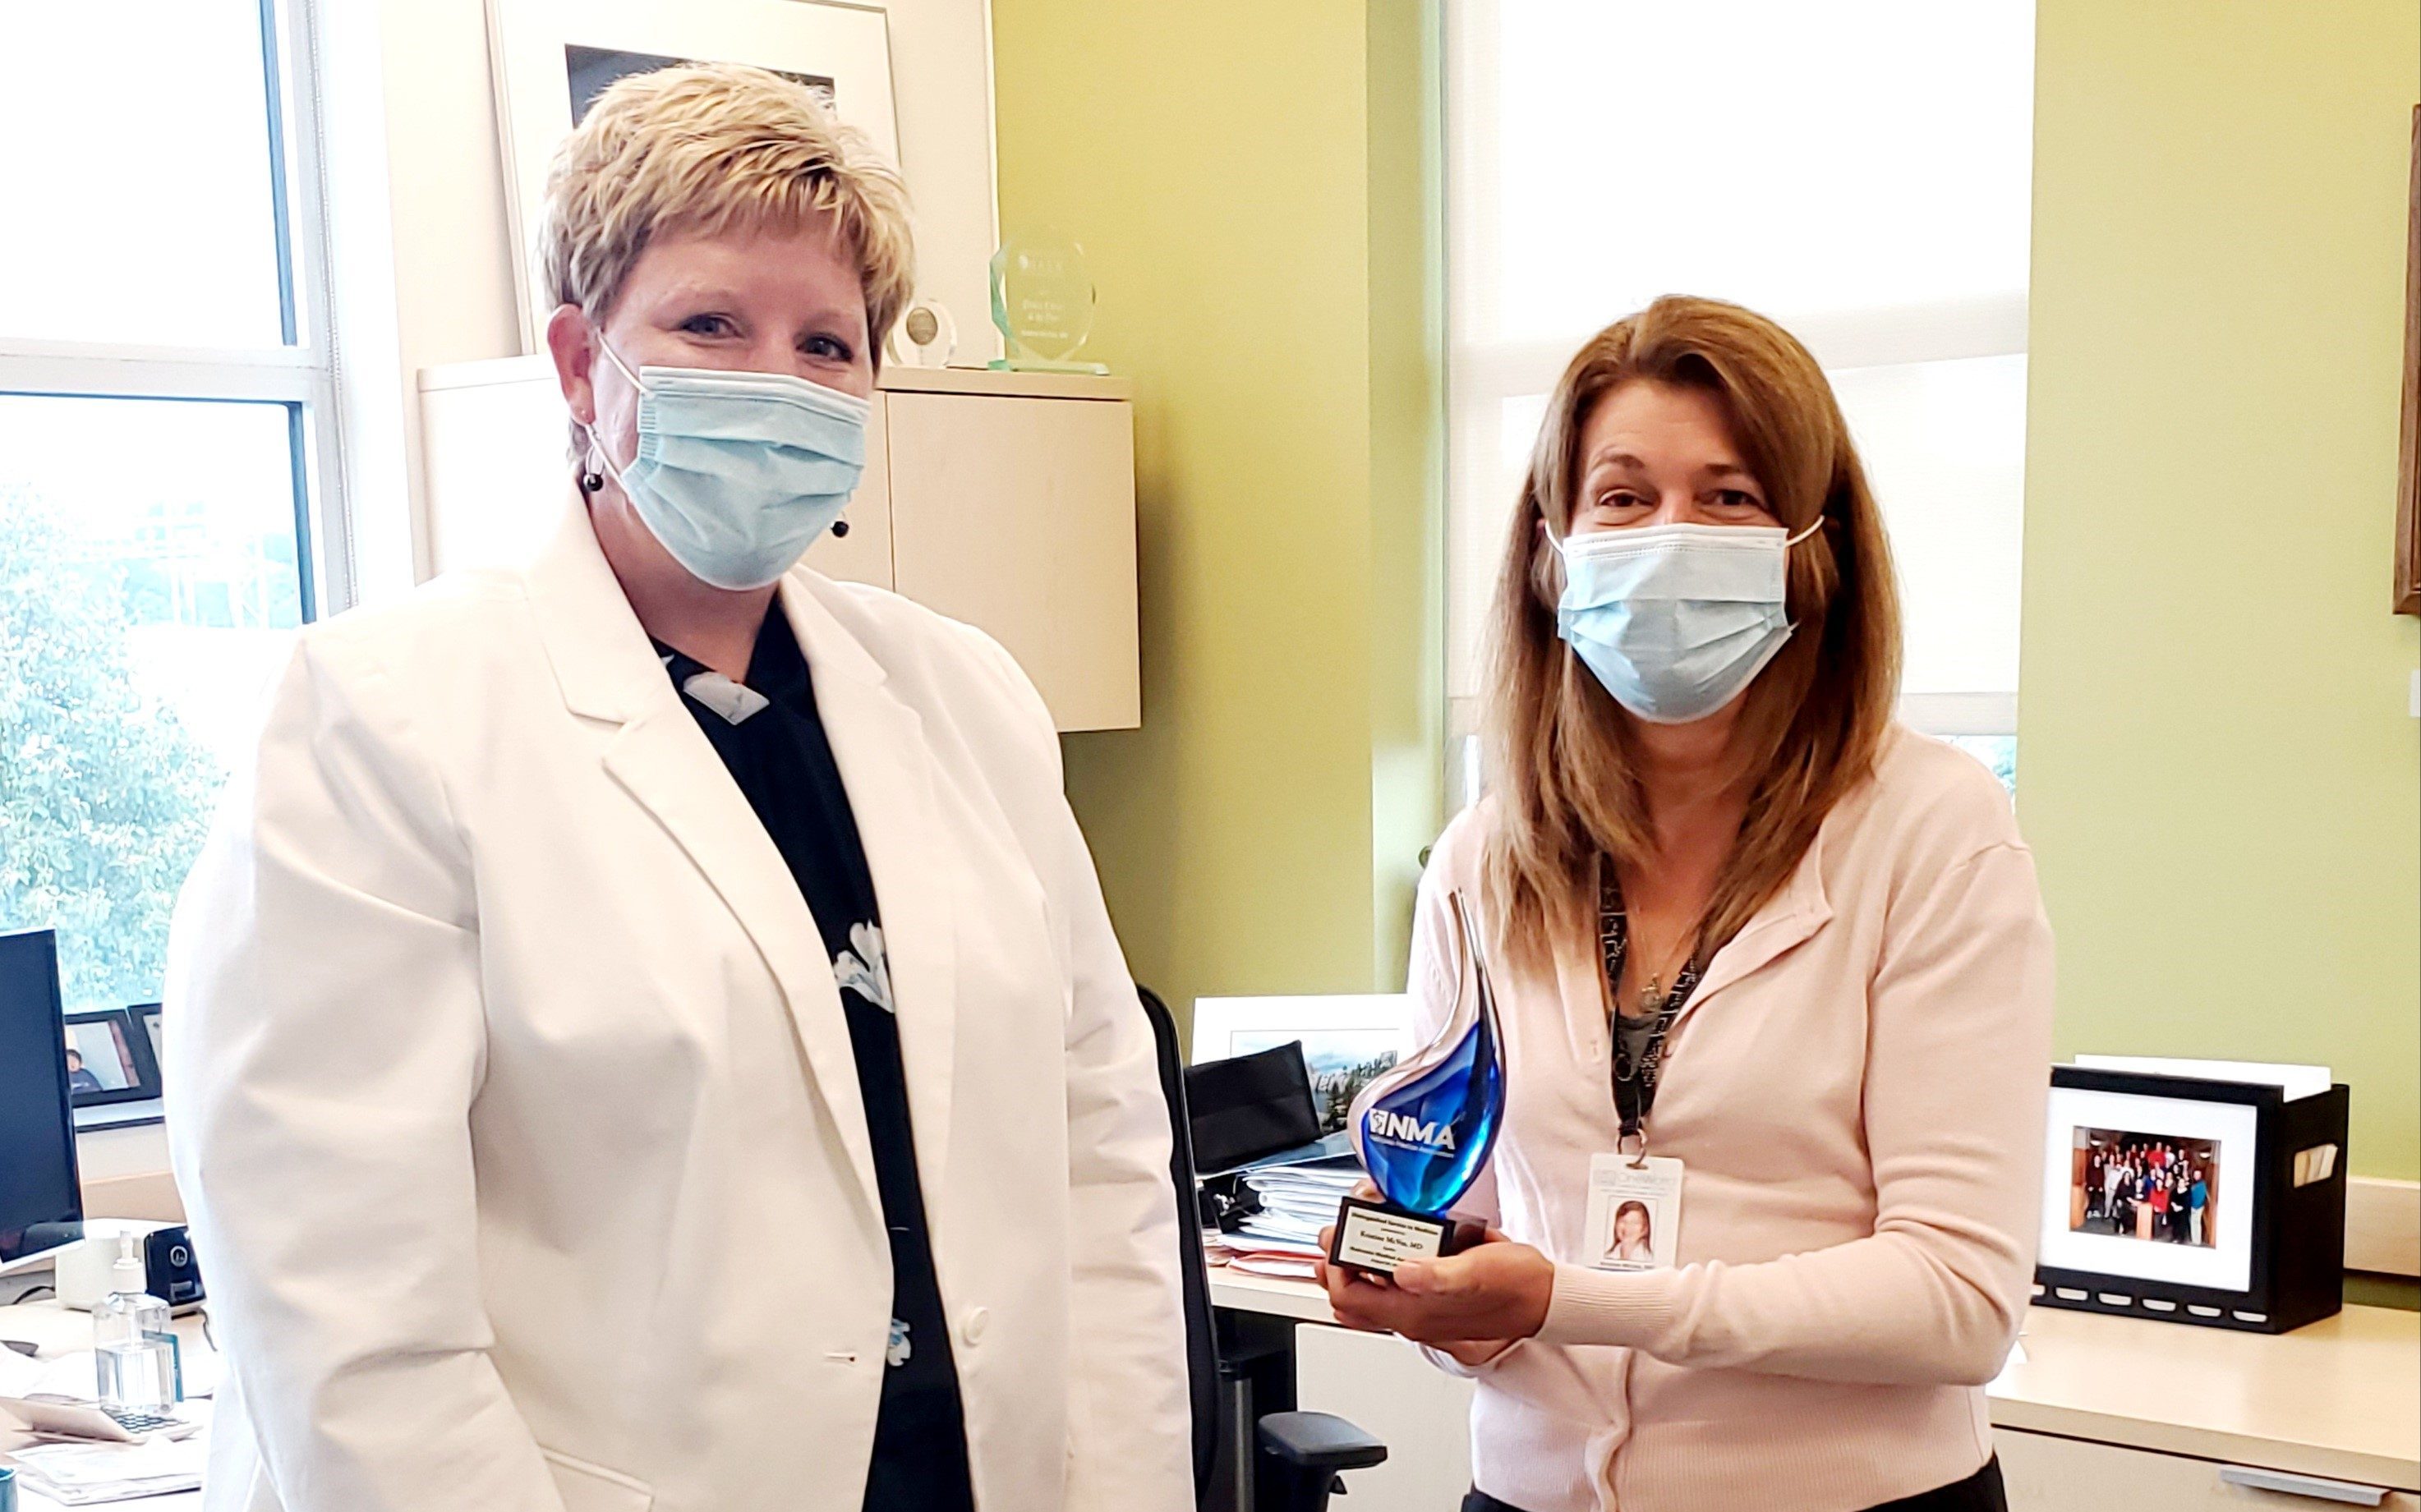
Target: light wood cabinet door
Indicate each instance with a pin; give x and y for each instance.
(1017, 514)
(1008, 505)
(863, 555)
(2047, 1474)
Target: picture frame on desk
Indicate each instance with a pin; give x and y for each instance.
(110, 1059)
(2260, 1247)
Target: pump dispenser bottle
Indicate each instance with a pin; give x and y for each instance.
(134, 1351)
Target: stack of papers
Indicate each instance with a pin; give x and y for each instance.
(1296, 1203)
(92, 1474)
(1297, 1194)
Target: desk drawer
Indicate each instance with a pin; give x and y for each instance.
(2053, 1475)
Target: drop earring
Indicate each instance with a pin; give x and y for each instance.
(841, 527)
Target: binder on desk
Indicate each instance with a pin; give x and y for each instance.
(1246, 1108)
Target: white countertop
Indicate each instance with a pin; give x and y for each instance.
(1265, 1294)
(2340, 1398)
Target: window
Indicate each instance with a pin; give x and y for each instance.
(167, 453)
(1860, 172)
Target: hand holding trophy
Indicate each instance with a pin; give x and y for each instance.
(1425, 1127)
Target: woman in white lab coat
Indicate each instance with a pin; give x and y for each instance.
(647, 1029)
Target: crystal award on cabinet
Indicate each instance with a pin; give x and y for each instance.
(1423, 1128)
(1042, 301)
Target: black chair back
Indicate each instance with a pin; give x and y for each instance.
(1194, 1272)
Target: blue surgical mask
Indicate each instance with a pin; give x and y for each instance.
(1676, 621)
(738, 474)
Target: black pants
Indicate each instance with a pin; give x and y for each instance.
(1980, 1492)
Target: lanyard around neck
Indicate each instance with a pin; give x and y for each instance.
(1634, 1080)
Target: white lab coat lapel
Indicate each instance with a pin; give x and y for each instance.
(609, 671)
(886, 765)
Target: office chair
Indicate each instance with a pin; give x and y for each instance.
(1301, 1456)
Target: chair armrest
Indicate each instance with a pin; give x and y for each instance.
(1319, 1441)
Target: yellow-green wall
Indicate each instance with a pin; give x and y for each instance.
(1251, 185)
(2216, 765)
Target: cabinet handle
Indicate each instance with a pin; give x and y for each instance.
(2292, 1485)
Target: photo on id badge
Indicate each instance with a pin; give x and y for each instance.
(1635, 1213)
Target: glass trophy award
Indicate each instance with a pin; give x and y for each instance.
(1042, 301)
(1423, 1128)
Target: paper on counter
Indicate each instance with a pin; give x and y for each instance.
(94, 1474)
(1276, 1267)
(2296, 1081)
(74, 1375)
(18, 1375)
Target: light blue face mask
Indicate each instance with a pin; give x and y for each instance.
(738, 474)
(1676, 621)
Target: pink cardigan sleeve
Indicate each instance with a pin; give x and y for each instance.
(1959, 1044)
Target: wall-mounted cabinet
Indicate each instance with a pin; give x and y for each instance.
(1005, 500)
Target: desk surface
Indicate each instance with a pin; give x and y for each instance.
(2340, 1398)
(60, 1331)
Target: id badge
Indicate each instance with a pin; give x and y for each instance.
(1634, 1212)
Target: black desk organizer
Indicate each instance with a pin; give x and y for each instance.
(2298, 1274)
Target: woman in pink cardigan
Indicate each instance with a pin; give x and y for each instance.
(1766, 961)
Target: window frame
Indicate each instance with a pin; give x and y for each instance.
(302, 374)
(1484, 372)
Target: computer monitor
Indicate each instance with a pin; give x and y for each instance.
(42, 1203)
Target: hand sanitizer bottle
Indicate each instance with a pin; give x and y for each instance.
(134, 1351)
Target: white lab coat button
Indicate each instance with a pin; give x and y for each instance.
(972, 1328)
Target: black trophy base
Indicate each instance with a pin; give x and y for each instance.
(1374, 1237)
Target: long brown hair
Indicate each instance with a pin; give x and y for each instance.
(1561, 750)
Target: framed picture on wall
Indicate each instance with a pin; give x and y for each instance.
(553, 58)
(109, 1059)
(2408, 460)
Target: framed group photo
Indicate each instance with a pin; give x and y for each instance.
(2193, 1199)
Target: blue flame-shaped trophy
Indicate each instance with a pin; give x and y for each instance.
(1424, 1130)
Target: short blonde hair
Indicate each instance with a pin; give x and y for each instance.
(707, 148)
